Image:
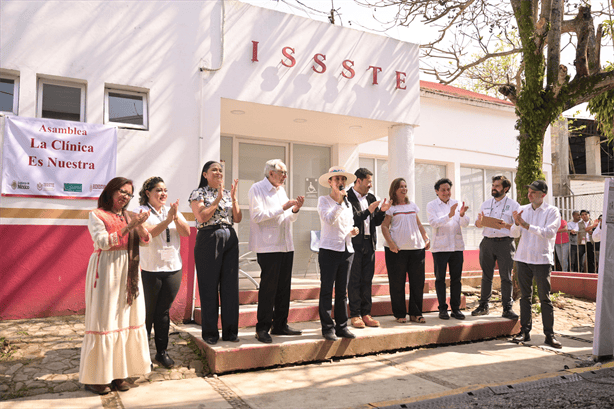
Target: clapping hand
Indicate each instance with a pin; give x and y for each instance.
(233, 189)
(385, 206)
(463, 210)
(300, 200)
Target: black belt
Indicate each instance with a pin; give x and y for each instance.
(215, 227)
(367, 236)
(499, 238)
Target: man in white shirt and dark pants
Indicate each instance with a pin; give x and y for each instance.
(497, 246)
(447, 218)
(536, 224)
(270, 237)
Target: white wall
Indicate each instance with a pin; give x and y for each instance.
(161, 47)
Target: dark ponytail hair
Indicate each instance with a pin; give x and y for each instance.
(203, 181)
(147, 186)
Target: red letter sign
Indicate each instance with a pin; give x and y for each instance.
(347, 65)
(375, 71)
(401, 81)
(254, 51)
(284, 51)
(320, 62)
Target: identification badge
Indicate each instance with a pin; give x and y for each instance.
(167, 253)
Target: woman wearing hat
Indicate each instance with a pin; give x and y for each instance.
(336, 252)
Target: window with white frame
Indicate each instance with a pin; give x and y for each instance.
(9, 95)
(379, 167)
(126, 109)
(476, 187)
(61, 100)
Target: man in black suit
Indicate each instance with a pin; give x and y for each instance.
(366, 217)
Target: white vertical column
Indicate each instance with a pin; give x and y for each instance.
(401, 156)
(345, 155)
(593, 155)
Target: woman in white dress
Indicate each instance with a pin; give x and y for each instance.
(115, 344)
(405, 247)
(161, 261)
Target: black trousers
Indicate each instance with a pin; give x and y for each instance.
(526, 274)
(573, 256)
(501, 251)
(274, 292)
(406, 264)
(441, 261)
(361, 279)
(216, 254)
(334, 272)
(160, 289)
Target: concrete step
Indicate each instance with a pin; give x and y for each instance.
(307, 310)
(308, 288)
(249, 353)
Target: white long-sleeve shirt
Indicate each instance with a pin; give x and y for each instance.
(499, 209)
(270, 226)
(337, 221)
(447, 234)
(536, 244)
(597, 233)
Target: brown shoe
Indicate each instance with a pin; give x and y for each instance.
(99, 389)
(357, 322)
(121, 385)
(369, 321)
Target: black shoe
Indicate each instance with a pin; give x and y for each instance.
(329, 336)
(482, 309)
(263, 336)
(163, 359)
(443, 315)
(553, 342)
(345, 333)
(522, 337)
(458, 314)
(231, 338)
(509, 314)
(286, 331)
(210, 340)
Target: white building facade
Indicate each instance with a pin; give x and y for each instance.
(192, 81)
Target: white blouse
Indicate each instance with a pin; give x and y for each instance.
(404, 228)
(337, 221)
(162, 253)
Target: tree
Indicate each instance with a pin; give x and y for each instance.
(538, 32)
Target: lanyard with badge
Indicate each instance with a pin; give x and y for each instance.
(167, 253)
(502, 209)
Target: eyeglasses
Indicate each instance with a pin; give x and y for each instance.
(282, 172)
(126, 194)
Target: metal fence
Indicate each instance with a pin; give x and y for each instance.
(593, 202)
(578, 257)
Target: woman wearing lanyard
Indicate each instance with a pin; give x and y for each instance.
(160, 261)
(216, 253)
(406, 244)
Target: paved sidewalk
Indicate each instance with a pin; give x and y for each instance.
(39, 369)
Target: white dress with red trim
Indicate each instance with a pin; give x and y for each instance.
(115, 345)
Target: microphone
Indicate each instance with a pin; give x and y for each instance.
(345, 197)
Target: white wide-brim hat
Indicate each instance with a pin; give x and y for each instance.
(336, 171)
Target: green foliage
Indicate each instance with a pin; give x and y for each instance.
(602, 107)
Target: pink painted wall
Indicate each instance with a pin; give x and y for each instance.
(43, 272)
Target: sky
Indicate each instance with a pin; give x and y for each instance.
(358, 17)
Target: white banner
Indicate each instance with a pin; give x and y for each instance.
(53, 158)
